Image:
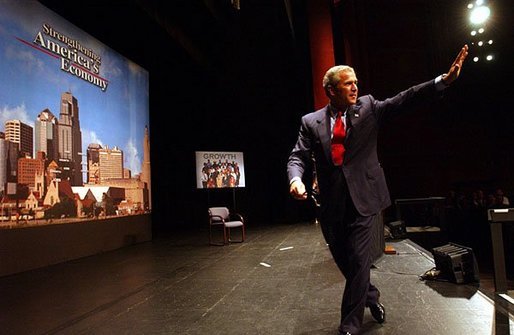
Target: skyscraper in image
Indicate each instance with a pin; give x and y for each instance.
(70, 138)
(46, 134)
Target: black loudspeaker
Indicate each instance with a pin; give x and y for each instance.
(397, 229)
(456, 263)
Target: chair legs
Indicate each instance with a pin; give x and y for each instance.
(243, 234)
(225, 237)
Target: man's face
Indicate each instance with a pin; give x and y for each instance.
(346, 91)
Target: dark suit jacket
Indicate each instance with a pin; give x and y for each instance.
(361, 167)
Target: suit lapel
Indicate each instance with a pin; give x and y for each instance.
(323, 130)
(351, 120)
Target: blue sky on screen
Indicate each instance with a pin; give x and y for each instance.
(32, 80)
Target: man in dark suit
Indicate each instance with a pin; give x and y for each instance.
(342, 137)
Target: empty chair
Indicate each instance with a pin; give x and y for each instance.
(221, 217)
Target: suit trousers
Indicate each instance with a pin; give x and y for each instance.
(348, 235)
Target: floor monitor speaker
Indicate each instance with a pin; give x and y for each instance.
(456, 263)
(397, 229)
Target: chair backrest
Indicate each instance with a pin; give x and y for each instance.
(218, 211)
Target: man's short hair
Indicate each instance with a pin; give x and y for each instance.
(332, 77)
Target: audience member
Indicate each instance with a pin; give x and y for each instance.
(451, 199)
(501, 200)
(478, 200)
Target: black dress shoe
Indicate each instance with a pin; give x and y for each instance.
(378, 312)
(342, 332)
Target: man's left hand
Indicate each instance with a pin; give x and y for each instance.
(454, 71)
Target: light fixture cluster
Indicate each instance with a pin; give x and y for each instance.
(481, 40)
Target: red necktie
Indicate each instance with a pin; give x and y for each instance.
(338, 136)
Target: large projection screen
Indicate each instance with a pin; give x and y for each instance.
(74, 119)
(219, 169)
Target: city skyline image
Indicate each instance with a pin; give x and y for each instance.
(74, 122)
(44, 56)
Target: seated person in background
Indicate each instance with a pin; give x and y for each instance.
(501, 200)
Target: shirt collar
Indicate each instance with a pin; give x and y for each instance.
(333, 111)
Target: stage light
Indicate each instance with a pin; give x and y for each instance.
(479, 14)
(480, 38)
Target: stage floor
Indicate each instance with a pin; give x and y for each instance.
(282, 280)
